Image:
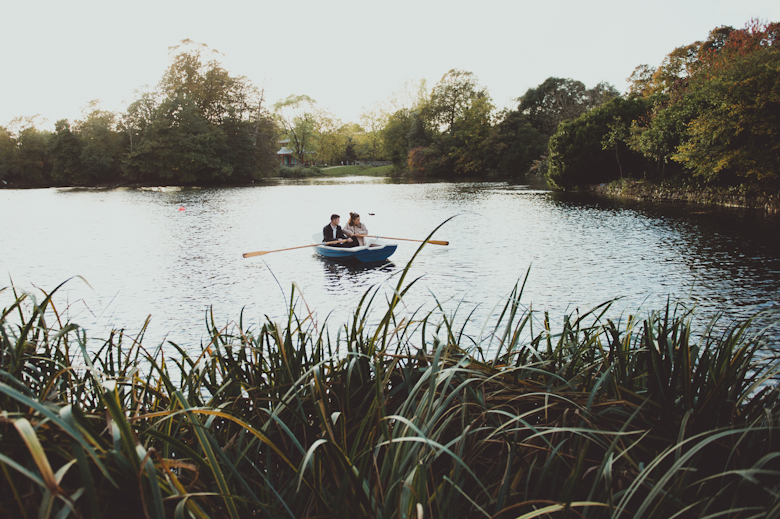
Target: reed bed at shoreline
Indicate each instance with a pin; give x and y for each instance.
(399, 415)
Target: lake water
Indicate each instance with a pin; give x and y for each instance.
(142, 255)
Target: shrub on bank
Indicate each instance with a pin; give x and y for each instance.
(734, 196)
(397, 415)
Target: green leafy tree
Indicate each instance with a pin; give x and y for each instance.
(640, 83)
(350, 153)
(139, 116)
(33, 166)
(557, 100)
(361, 140)
(404, 127)
(332, 138)
(264, 139)
(471, 154)
(297, 119)
(514, 144)
(577, 152)
(101, 147)
(456, 123)
(65, 153)
(419, 133)
(660, 132)
(395, 137)
(241, 153)
(450, 99)
(203, 81)
(201, 125)
(8, 153)
(615, 138)
(372, 121)
(183, 147)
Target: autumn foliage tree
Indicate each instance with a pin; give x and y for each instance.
(737, 82)
(709, 113)
(716, 107)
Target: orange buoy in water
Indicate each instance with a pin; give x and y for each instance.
(181, 208)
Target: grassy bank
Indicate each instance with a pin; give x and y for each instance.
(334, 171)
(669, 192)
(392, 414)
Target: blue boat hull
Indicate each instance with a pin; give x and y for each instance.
(361, 254)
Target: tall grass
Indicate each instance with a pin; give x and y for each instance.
(392, 414)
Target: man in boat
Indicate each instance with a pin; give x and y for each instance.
(333, 232)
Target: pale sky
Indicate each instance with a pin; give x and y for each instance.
(57, 56)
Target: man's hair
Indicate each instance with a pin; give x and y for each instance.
(333, 217)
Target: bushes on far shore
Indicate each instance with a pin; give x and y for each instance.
(299, 171)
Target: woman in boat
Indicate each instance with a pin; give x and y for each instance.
(353, 227)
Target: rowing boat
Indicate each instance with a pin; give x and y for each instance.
(374, 250)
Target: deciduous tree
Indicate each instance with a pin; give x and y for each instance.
(32, 166)
(738, 84)
(101, 147)
(296, 116)
(577, 152)
(372, 121)
(557, 100)
(450, 99)
(514, 144)
(201, 125)
(8, 152)
(452, 128)
(65, 152)
(395, 137)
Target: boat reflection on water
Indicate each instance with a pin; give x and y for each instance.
(349, 275)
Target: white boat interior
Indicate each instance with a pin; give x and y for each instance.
(370, 242)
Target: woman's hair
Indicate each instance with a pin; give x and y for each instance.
(352, 217)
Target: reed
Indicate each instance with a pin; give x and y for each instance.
(392, 414)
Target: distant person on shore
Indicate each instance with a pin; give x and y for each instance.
(333, 232)
(353, 227)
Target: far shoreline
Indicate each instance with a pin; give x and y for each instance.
(628, 189)
(736, 197)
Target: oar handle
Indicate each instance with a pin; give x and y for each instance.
(434, 242)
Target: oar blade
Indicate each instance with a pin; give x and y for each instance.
(257, 253)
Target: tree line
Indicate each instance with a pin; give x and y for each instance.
(709, 113)
(200, 125)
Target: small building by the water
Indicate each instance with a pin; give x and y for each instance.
(286, 155)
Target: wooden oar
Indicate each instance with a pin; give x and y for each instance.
(434, 242)
(261, 252)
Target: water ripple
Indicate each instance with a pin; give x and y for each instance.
(142, 255)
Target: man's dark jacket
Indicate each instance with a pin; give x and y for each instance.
(327, 233)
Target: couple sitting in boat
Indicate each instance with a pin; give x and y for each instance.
(348, 236)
